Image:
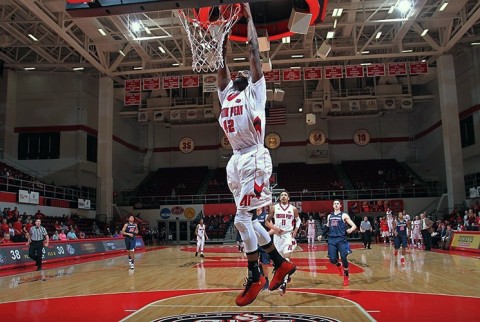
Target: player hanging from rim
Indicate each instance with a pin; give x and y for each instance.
(130, 230)
(336, 229)
(242, 118)
(285, 228)
(201, 233)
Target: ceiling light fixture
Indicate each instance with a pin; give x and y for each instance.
(121, 53)
(443, 6)
(424, 32)
(337, 12)
(330, 34)
(286, 40)
(102, 32)
(32, 37)
(390, 11)
(238, 58)
(407, 51)
(175, 64)
(29, 68)
(161, 49)
(475, 43)
(78, 68)
(366, 52)
(335, 24)
(378, 35)
(147, 30)
(137, 68)
(404, 5)
(297, 56)
(365, 64)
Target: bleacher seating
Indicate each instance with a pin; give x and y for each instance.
(218, 182)
(313, 177)
(376, 174)
(167, 181)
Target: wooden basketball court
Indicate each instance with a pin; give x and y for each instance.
(171, 284)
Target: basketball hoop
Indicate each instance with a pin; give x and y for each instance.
(206, 29)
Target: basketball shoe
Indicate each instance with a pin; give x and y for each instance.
(286, 268)
(346, 281)
(251, 291)
(340, 269)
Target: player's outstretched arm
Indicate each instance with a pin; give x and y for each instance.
(254, 59)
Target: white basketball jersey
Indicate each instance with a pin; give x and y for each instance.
(242, 116)
(284, 217)
(201, 231)
(311, 224)
(416, 225)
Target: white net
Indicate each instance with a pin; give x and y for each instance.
(206, 33)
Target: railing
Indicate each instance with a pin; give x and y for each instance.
(45, 190)
(147, 202)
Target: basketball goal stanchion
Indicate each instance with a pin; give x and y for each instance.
(206, 29)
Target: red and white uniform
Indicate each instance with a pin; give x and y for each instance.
(284, 219)
(416, 233)
(242, 118)
(311, 230)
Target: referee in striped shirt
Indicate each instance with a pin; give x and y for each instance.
(36, 237)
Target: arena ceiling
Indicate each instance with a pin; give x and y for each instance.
(41, 34)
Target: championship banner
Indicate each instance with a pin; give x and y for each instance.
(150, 84)
(352, 71)
(170, 82)
(23, 196)
(407, 104)
(191, 114)
(317, 107)
(142, 116)
(159, 116)
(312, 73)
(132, 85)
(371, 104)
(189, 81)
(208, 113)
(130, 99)
(272, 76)
(332, 72)
(418, 67)
(336, 106)
(468, 241)
(376, 70)
(354, 105)
(389, 104)
(17, 253)
(209, 83)
(174, 115)
(291, 74)
(397, 69)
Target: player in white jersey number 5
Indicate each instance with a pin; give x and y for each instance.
(242, 118)
(287, 223)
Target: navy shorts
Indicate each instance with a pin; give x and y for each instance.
(400, 240)
(130, 243)
(336, 246)
(263, 256)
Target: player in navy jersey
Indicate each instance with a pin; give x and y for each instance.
(400, 226)
(130, 230)
(263, 257)
(336, 229)
(242, 118)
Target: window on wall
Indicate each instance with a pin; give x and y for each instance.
(39, 146)
(91, 148)
(467, 131)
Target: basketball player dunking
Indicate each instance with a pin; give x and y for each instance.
(130, 230)
(242, 118)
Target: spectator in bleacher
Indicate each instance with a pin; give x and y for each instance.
(11, 230)
(71, 235)
(55, 236)
(81, 235)
(39, 215)
(4, 226)
(62, 236)
(27, 226)
(18, 227)
(57, 226)
(6, 239)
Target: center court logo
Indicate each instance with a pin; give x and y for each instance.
(242, 316)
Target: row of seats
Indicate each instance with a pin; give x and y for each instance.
(362, 174)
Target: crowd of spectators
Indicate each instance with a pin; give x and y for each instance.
(15, 225)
